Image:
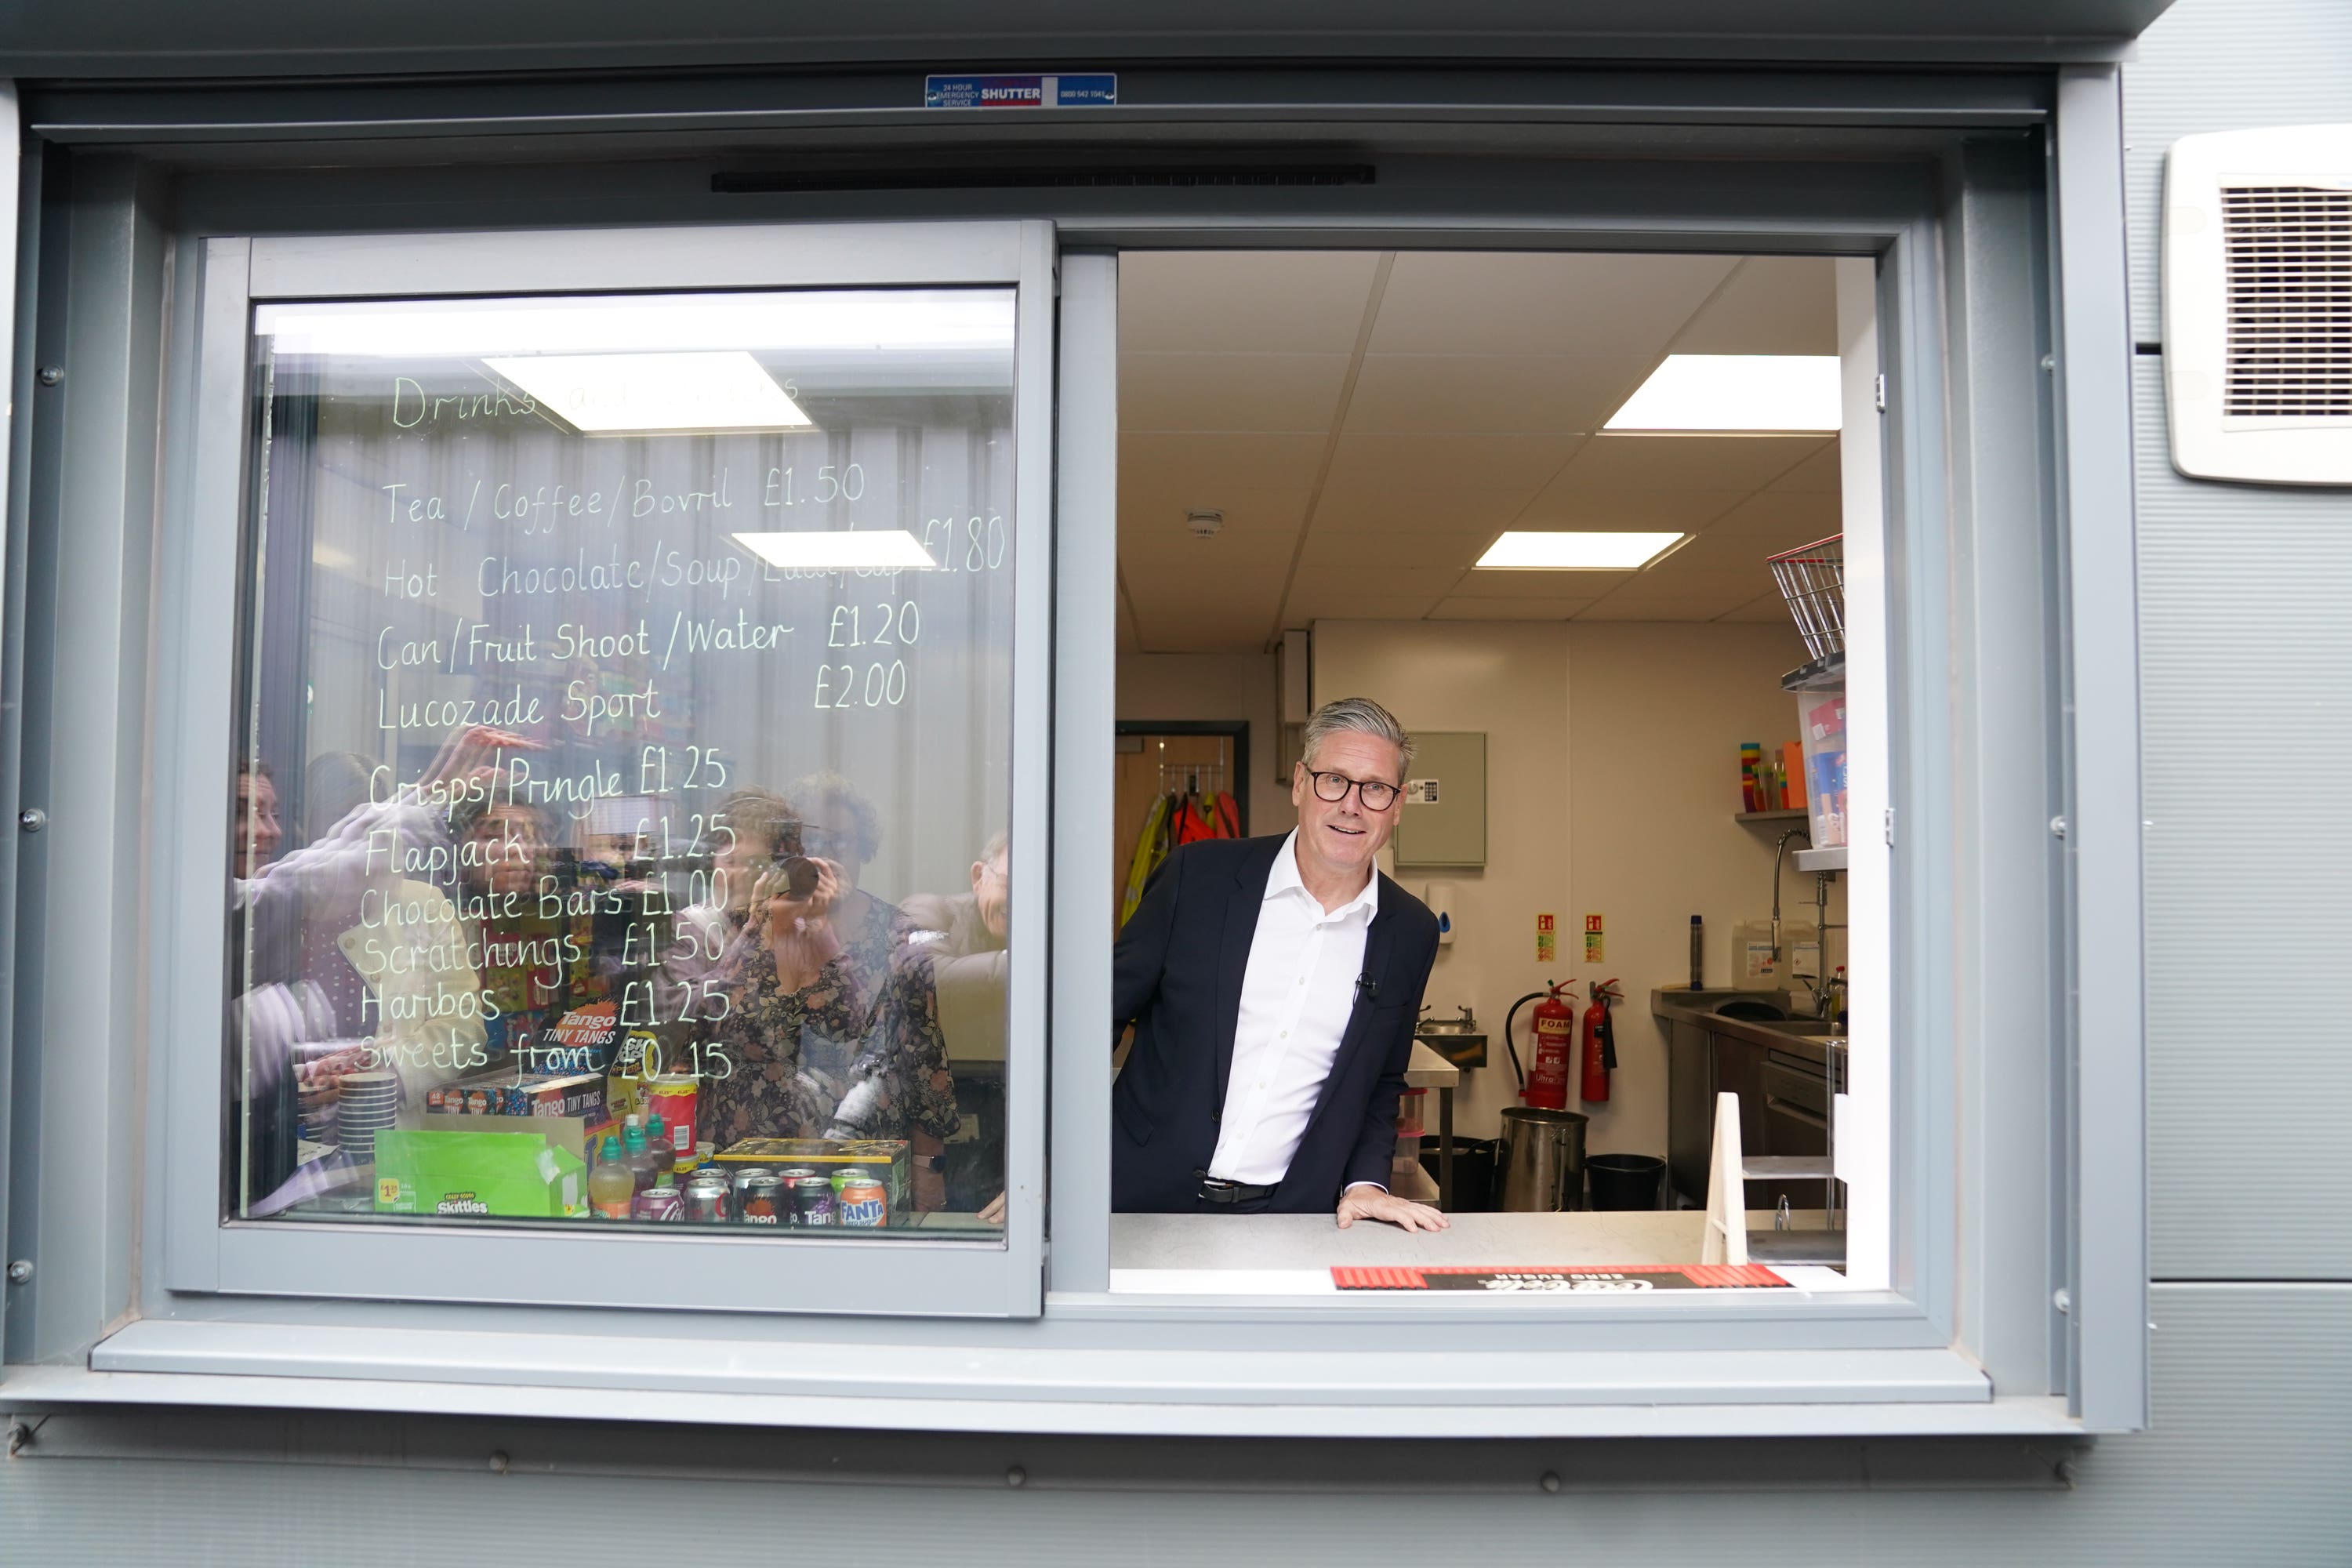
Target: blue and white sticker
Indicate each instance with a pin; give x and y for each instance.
(1097, 91)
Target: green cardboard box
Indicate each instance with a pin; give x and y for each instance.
(512, 1175)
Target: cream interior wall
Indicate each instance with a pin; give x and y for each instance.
(1213, 685)
(1612, 789)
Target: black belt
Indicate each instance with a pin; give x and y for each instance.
(1215, 1190)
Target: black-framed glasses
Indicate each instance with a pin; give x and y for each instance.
(1376, 795)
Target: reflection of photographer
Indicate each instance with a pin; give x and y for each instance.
(832, 1022)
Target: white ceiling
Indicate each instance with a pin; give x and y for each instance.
(1368, 422)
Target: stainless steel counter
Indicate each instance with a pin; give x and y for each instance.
(1808, 1038)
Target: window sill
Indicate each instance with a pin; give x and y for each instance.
(1102, 1390)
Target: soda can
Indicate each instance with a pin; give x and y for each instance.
(738, 1176)
(864, 1202)
(760, 1199)
(794, 1172)
(709, 1203)
(658, 1203)
(813, 1202)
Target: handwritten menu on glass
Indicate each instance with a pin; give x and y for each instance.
(582, 633)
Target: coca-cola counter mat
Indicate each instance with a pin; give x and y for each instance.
(1627, 1276)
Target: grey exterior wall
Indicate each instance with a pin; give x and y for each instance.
(2245, 657)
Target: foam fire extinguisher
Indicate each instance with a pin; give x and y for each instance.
(1547, 1076)
(1599, 1042)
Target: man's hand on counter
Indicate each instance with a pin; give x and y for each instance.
(1365, 1201)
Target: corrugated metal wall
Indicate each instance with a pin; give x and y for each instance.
(2248, 667)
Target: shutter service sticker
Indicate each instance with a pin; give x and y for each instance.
(1626, 1277)
(1095, 91)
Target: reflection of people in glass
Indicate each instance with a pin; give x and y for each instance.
(831, 1024)
(305, 926)
(258, 830)
(335, 785)
(504, 847)
(964, 935)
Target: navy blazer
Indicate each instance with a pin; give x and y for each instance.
(1177, 977)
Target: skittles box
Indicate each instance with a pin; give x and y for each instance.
(510, 1175)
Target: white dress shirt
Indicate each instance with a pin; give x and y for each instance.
(1296, 996)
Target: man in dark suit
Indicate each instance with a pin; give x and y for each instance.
(1274, 984)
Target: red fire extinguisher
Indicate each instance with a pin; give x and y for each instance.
(1555, 1023)
(1599, 1042)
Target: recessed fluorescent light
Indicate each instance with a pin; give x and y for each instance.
(1570, 551)
(1752, 394)
(859, 549)
(618, 394)
(926, 322)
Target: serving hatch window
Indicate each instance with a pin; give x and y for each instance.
(622, 764)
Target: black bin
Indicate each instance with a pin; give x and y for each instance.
(1474, 1172)
(1626, 1181)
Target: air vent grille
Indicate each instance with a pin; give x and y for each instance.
(2288, 251)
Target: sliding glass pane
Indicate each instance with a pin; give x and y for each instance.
(623, 762)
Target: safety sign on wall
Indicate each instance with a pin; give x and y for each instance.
(1547, 939)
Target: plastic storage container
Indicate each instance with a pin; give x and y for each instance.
(1821, 723)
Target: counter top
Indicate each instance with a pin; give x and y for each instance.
(1697, 1008)
(1283, 1254)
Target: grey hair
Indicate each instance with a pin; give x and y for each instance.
(1359, 715)
(993, 850)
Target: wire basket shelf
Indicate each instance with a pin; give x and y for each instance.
(1811, 580)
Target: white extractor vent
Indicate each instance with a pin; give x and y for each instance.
(2288, 249)
(2258, 305)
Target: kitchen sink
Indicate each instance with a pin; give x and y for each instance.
(1803, 1029)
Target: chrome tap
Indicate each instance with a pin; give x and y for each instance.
(1779, 850)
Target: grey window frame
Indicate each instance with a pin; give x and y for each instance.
(203, 1252)
(2001, 260)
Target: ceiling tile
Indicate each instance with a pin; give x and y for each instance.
(1128, 640)
(1353, 507)
(1686, 595)
(1483, 394)
(1201, 466)
(1233, 627)
(1764, 609)
(1266, 301)
(1428, 549)
(1632, 511)
(1818, 472)
(1762, 526)
(1251, 391)
(1540, 584)
(1773, 305)
(1373, 582)
(1461, 609)
(1260, 533)
(1611, 463)
(1595, 307)
(1422, 458)
(1194, 595)
(1324, 606)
